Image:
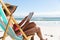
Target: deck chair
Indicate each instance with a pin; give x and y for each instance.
(3, 23)
(27, 38)
(11, 31)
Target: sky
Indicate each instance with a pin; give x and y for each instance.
(49, 8)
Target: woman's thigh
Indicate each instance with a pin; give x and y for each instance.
(29, 26)
(30, 31)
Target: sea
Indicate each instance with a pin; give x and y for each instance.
(44, 21)
(41, 18)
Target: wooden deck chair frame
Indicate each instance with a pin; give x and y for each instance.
(10, 30)
(11, 18)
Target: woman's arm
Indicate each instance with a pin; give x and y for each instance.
(22, 21)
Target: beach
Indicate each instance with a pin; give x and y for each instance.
(49, 29)
(46, 16)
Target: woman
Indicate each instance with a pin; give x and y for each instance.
(29, 28)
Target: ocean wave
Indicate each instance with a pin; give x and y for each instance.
(42, 19)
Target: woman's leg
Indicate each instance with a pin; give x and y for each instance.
(28, 26)
(32, 38)
(25, 27)
(39, 33)
(31, 29)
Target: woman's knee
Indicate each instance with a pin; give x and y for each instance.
(32, 23)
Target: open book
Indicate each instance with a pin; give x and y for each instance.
(28, 18)
(30, 15)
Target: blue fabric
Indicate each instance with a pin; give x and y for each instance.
(2, 26)
(10, 31)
